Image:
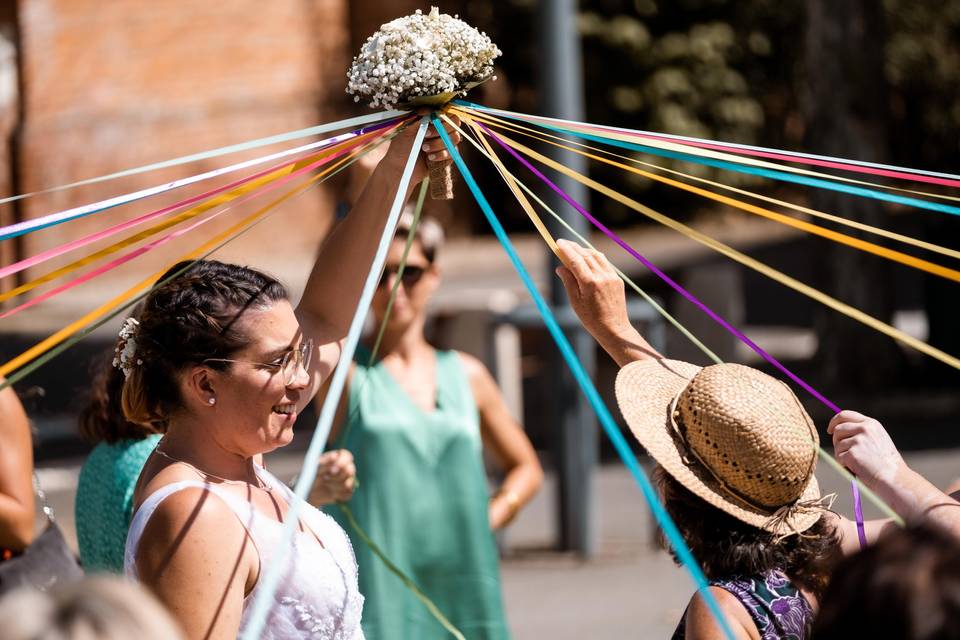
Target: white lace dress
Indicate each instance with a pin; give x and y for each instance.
(317, 597)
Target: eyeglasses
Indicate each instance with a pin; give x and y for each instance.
(289, 364)
(411, 275)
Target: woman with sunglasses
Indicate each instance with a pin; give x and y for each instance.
(221, 363)
(418, 420)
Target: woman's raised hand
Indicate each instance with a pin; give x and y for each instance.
(336, 478)
(597, 296)
(433, 148)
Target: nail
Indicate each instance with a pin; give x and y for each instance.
(433, 156)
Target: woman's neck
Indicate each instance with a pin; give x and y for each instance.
(192, 444)
(405, 343)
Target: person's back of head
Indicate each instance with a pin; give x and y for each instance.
(906, 586)
(98, 608)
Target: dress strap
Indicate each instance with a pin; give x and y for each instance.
(241, 508)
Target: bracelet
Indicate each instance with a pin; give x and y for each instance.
(513, 501)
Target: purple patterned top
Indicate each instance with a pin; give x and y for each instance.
(779, 609)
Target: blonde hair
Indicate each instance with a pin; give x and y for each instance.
(97, 608)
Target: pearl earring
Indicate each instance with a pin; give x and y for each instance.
(212, 401)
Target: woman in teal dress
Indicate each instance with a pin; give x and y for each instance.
(104, 503)
(417, 423)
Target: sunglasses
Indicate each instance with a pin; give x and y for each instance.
(411, 275)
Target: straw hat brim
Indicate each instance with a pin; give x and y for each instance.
(645, 390)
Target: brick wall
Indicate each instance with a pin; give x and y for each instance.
(112, 85)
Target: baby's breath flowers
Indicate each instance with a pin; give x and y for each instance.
(419, 56)
(124, 357)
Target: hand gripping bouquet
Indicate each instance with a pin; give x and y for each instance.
(422, 60)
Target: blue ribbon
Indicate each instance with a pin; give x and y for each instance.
(606, 419)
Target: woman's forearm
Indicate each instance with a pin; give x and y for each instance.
(915, 498)
(16, 523)
(336, 281)
(519, 486)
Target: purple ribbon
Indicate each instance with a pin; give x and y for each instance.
(857, 503)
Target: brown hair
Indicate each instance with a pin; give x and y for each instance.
(726, 546)
(429, 233)
(191, 318)
(102, 419)
(906, 586)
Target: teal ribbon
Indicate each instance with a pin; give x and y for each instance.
(599, 407)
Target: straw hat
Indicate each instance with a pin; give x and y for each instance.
(734, 436)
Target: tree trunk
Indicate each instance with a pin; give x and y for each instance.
(845, 107)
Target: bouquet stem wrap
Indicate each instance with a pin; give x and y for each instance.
(441, 179)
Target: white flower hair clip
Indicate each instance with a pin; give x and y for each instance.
(126, 349)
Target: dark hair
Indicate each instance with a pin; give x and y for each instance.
(906, 586)
(725, 546)
(102, 419)
(191, 318)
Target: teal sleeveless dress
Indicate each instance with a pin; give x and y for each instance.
(423, 499)
(104, 504)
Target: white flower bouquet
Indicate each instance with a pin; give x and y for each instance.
(421, 60)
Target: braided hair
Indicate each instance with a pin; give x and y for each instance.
(193, 317)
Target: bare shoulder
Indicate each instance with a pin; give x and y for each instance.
(475, 369)
(702, 624)
(191, 530)
(482, 384)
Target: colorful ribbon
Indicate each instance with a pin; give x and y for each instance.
(691, 298)
(918, 175)
(248, 189)
(779, 174)
(768, 271)
(127, 257)
(546, 137)
(59, 250)
(213, 153)
(710, 354)
(37, 355)
(863, 245)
